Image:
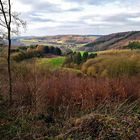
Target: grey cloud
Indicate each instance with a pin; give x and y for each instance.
(39, 7)
(117, 19)
(123, 18)
(27, 1)
(75, 9)
(93, 2)
(48, 7)
(108, 24)
(38, 19)
(103, 2)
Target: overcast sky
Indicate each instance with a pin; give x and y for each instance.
(51, 17)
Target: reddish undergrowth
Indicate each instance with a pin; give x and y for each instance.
(66, 92)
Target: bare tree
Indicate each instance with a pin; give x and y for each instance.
(10, 23)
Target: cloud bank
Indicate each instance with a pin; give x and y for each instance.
(51, 17)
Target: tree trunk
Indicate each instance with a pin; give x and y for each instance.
(9, 65)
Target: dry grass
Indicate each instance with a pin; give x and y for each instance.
(113, 66)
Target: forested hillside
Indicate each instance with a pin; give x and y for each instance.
(112, 41)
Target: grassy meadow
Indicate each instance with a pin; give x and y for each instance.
(53, 63)
(98, 98)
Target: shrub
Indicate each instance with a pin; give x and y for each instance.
(40, 48)
(29, 50)
(20, 56)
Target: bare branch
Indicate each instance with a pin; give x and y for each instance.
(3, 12)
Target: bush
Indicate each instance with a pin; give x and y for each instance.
(20, 56)
(40, 48)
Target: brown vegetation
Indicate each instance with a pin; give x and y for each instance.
(67, 91)
(46, 103)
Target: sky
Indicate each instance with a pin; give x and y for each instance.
(85, 17)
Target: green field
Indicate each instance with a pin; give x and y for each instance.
(51, 62)
(82, 52)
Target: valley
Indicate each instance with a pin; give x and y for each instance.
(69, 70)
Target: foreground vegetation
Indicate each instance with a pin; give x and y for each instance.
(72, 104)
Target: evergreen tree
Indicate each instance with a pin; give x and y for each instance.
(51, 50)
(85, 56)
(78, 58)
(46, 50)
(57, 51)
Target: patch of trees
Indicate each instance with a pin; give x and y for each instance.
(26, 55)
(77, 58)
(35, 51)
(133, 45)
(49, 50)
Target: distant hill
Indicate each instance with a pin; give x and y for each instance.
(112, 41)
(56, 40)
